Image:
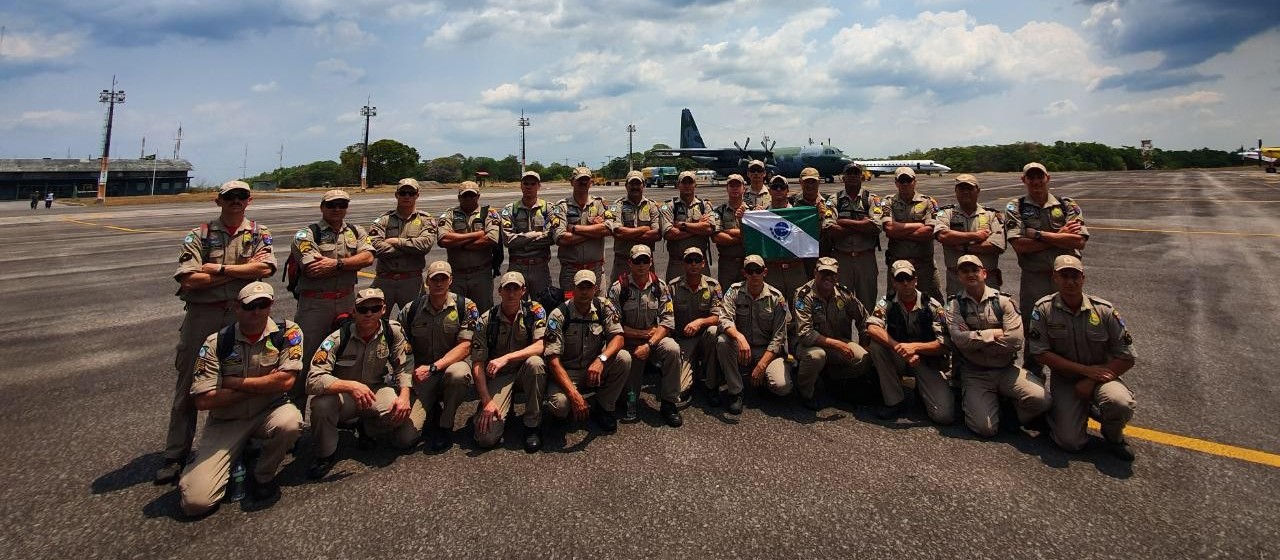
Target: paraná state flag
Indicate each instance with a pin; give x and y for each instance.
(781, 233)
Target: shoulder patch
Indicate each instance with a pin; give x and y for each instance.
(302, 233)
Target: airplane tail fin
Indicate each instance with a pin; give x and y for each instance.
(689, 135)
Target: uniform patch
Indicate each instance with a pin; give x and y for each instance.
(706, 294)
(304, 246)
(190, 238)
(320, 357)
(983, 221)
(1094, 319)
(1116, 314)
(839, 304)
(294, 353)
(799, 305)
(327, 344)
(1034, 334)
(302, 233)
(294, 336)
(266, 239)
(185, 257)
(1056, 212)
(553, 324)
(204, 351)
(453, 314)
(1035, 314)
(919, 207)
(1126, 338)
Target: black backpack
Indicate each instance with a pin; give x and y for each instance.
(227, 340)
(293, 269)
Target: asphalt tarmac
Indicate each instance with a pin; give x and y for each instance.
(1189, 257)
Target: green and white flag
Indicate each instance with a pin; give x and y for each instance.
(782, 233)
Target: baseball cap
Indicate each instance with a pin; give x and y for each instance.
(809, 173)
(735, 177)
(828, 263)
(904, 170)
(1034, 165)
(755, 163)
(778, 179)
(966, 178)
(335, 194)
(533, 174)
(635, 176)
(512, 277)
(584, 276)
(233, 185)
(753, 259)
(440, 267)
(688, 175)
(581, 172)
(640, 249)
(368, 294)
(468, 186)
(1067, 261)
(256, 290)
(692, 251)
(969, 259)
(409, 182)
(901, 266)
(854, 166)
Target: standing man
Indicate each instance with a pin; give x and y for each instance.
(728, 235)
(686, 221)
(855, 238)
(696, 299)
(218, 259)
(986, 331)
(965, 228)
(826, 314)
(584, 350)
(470, 233)
(907, 219)
(527, 227)
(439, 328)
(757, 193)
(906, 328)
(243, 375)
(648, 319)
(753, 336)
(48, 199)
(637, 222)
(507, 352)
(401, 239)
(1084, 342)
(789, 274)
(811, 196)
(585, 221)
(35, 199)
(361, 371)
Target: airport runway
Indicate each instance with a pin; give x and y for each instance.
(1189, 257)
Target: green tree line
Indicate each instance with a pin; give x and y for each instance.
(1068, 156)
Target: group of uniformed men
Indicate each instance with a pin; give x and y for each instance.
(781, 324)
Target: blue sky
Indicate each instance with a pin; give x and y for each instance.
(874, 76)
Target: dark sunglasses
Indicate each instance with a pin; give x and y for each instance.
(641, 260)
(753, 270)
(469, 195)
(755, 171)
(903, 180)
(826, 273)
(335, 204)
(778, 186)
(235, 195)
(693, 260)
(256, 305)
(367, 309)
(406, 193)
(903, 278)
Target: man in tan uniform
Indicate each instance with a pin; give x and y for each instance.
(507, 352)
(757, 192)
(686, 221)
(528, 226)
(811, 195)
(986, 331)
(361, 370)
(243, 385)
(217, 260)
(584, 350)
(696, 297)
(906, 328)
(855, 237)
(788, 274)
(439, 327)
(1085, 344)
(907, 218)
(401, 239)
(753, 335)
(648, 319)
(826, 313)
(637, 222)
(966, 228)
(469, 233)
(728, 234)
(585, 221)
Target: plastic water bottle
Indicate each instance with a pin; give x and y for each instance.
(632, 402)
(235, 486)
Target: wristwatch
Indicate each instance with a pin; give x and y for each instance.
(431, 369)
(222, 269)
(603, 358)
(1039, 234)
(683, 226)
(339, 263)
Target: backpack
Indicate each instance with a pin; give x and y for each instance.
(227, 339)
(491, 329)
(412, 313)
(293, 268)
(598, 305)
(349, 325)
(497, 255)
(625, 294)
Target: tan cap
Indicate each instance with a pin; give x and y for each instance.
(233, 185)
(512, 277)
(368, 294)
(335, 194)
(440, 267)
(532, 173)
(580, 172)
(693, 251)
(852, 166)
(584, 276)
(1034, 165)
(828, 263)
(901, 266)
(256, 290)
(969, 259)
(753, 259)
(641, 249)
(409, 182)
(966, 179)
(904, 170)
(809, 173)
(755, 163)
(735, 177)
(1067, 261)
(468, 186)
(635, 176)
(688, 175)
(779, 179)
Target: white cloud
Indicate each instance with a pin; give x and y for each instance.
(32, 47)
(1060, 108)
(264, 88)
(336, 71)
(1197, 101)
(344, 34)
(48, 120)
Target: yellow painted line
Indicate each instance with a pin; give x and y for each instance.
(1193, 232)
(1203, 446)
(1216, 201)
(118, 228)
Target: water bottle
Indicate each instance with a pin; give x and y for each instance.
(235, 487)
(632, 402)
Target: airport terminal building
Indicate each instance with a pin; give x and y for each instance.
(69, 178)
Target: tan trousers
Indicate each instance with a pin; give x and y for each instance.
(1069, 414)
(399, 292)
(814, 359)
(775, 372)
(328, 410)
(934, 388)
(449, 387)
(859, 274)
(204, 481)
(982, 391)
(675, 377)
(536, 276)
(315, 317)
(476, 286)
(567, 272)
(699, 351)
(612, 382)
(531, 377)
(1031, 287)
(728, 271)
(199, 322)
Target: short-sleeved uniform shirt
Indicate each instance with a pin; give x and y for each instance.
(217, 245)
(578, 338)
(457, 220)
(694, 302)
(248, 359)
(726, 219)
(511, 334)
(366, 362)
(1092, 336)
(632, 215)
(754, 199)
(417, 233)
(833, 318)
(763, 320)
(914, 331)
(953, 218)
(1022, 213)
(974, 324)
(518, 218)
(826, 217)
(864, 206)
(677, 210)
(568, 212)
(437, 331)
(308, 247)
(646, 307)
(921, 209)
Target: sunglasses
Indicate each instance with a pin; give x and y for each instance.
(755, 171)
(235, 195)
(406, 193)
(693, 260)
(256, 305)
(778, 186)
(903, 180)
(903, 278)
(469, 195)
(367, 309)
(336, 204)
(753, 270)
(642, 260)
(826, 273)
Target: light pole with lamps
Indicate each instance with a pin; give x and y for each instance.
(367, 111)
(110, 97)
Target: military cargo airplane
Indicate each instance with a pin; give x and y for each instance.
(786, 161)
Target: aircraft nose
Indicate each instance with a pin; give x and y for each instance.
(945, 169)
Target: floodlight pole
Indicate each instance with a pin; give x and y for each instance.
(523, 123)
(110, 97)
(368, 112)
(631, 135)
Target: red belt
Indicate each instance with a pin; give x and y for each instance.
(400, 275)
(535, 260)
(476, 268)
(582, 266)
(852, 253)
(324, 295)
(784, 265)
